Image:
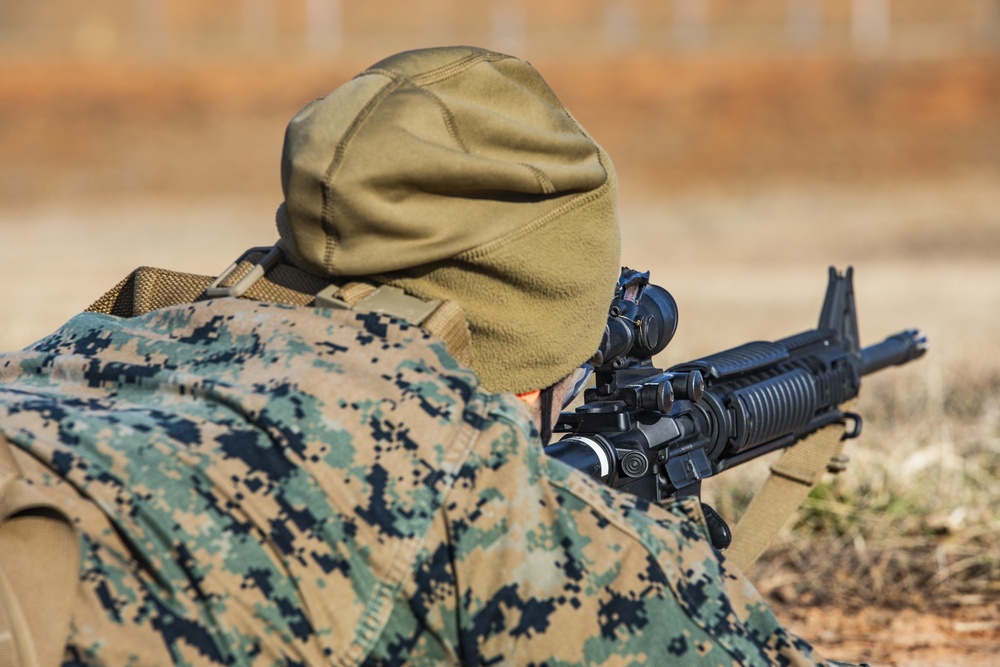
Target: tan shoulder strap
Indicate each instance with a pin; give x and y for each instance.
(448, 323)
(260, 275)
(148, 288)
(793, 475)
(444, 319)
(39, 571)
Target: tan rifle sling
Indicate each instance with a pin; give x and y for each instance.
(260, 275)
(39, 570)
(793, 475)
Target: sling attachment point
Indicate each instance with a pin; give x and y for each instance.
(383, 299)
(273, 254)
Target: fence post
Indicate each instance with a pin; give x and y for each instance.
(690, 23)
(150, 24)
(324, 26)
(986, 22)
(258, 20)
(804, 22)
(870, 24)
(620, 23)
(508, 26)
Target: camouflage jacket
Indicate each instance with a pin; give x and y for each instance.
(257, 484)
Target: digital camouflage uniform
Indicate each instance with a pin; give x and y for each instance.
(257, 484)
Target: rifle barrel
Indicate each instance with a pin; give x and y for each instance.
(893, 351)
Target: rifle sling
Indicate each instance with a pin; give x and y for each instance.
(792, 477)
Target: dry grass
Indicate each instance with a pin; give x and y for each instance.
(914, 521)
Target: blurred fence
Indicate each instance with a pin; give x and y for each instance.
(169, 28)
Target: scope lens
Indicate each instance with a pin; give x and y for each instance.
(658, 308)
(641, 324)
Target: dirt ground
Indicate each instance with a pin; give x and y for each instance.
(905, 638)
(740, 183)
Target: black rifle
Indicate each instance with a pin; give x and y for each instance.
(657, 433)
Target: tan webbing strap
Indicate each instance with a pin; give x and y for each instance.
(449, 324)
(446, 320)
(147, 289)
(265, 278)
(116, 301)
(268, 279)
(349, 294)
(792, 477)
(39, 570)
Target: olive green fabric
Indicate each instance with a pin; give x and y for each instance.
(456, 173)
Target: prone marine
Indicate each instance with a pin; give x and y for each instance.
(332, 452)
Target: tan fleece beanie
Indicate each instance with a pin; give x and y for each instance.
(456, 173)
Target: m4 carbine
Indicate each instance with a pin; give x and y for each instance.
(657, 433)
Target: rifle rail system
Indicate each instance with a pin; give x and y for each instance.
(658, 433)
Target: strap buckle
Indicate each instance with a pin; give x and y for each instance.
(384, 299)
(273, 254)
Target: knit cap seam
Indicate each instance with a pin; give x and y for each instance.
(544, 182)
(448, 116)
(339, 155)
(457, 67)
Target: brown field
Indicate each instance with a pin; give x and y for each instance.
(740, 183)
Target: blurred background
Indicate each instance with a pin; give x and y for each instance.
(756, 144)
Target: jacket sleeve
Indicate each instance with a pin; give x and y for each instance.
(531, 562)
